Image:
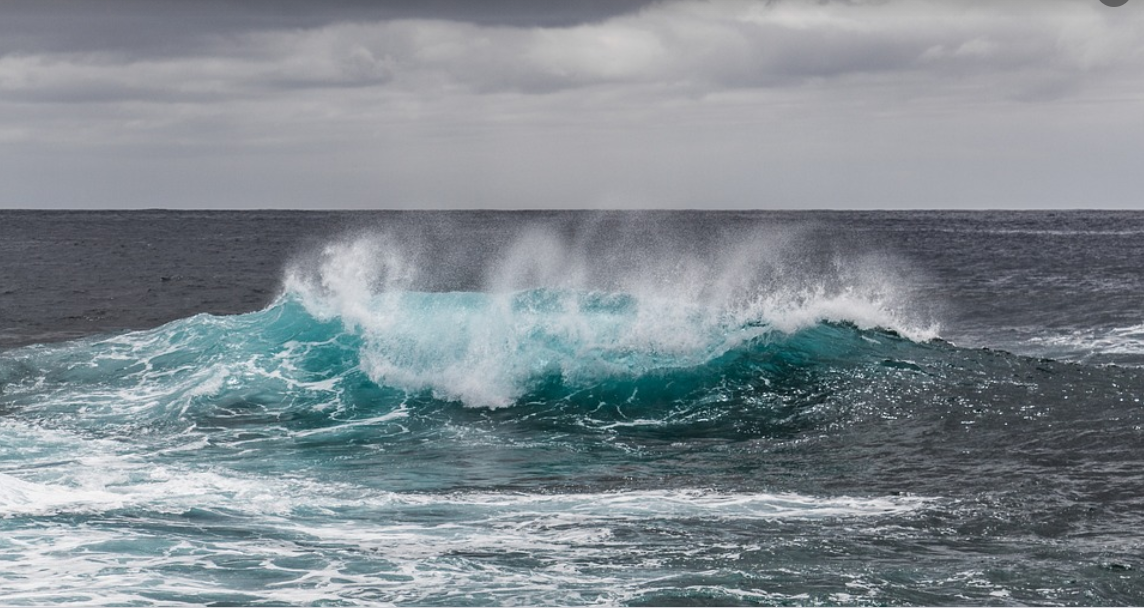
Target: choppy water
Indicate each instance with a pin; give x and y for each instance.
(571, 408)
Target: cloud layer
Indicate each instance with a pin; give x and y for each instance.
(731, 103)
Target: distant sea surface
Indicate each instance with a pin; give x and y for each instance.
(505, 408)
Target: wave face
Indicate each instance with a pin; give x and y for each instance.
(581, 422)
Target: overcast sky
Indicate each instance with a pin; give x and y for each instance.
(592, 104)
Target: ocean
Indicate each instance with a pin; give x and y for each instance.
(569, 408)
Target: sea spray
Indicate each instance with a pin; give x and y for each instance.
(584, 311)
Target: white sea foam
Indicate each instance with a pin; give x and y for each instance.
(110, 481)
(545, 510)
(19, 497)
(102, 474)
(211, 381)
(320, 541)
(1083, 344)
(406, 549)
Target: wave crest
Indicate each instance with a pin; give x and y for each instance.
(545, 311)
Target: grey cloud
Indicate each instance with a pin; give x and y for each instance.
(675, 103)
(174, 27)
(690, 47)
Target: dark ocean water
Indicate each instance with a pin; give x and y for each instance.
(269, 408)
